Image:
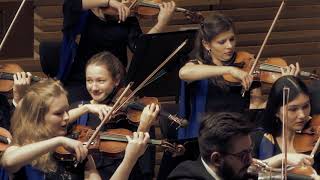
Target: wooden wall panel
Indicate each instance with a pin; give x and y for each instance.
(20, 40)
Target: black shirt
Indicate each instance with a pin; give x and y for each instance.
(106, 164)
(99, 35)
(223, 96)
(190, 170)
(64, 171)
(5, 112)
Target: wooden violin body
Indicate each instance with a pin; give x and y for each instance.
(150, 9)
(6, 76)
(305, 140)
(267, 71)
(112, 142)
(6, 84)
(133, 110)
(243, 61)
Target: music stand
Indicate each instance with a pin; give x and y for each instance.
(152, 50)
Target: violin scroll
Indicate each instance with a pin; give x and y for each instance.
(174, 148)
(193, 16)
(181, 122)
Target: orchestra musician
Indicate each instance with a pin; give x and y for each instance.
(269, 142)
(225, 149)
(39, 125)
(101, 32)
(206, 88)
(21, 83)
(104, 78)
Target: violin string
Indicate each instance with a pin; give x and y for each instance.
(275, 68)
(271, 68)
(114, 137)
(121, 137)
(157, 5)
(95, 133)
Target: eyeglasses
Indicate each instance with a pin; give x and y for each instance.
(244, 155)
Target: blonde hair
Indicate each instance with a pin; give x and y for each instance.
(28, 124)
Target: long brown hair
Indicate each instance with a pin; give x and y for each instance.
(211, 27)
(28, 121)
(111, 63)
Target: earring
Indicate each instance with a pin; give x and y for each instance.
(209, 52)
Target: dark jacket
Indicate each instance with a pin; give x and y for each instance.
(190, 170)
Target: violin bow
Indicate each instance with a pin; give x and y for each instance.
(116, 106)
(133, 4)
(141, 85)
(285, 101)
(96, 131)
(11, 25)
(315, 148)
(265, 41)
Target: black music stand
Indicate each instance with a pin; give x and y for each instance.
(151, 51)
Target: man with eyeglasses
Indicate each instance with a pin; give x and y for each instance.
(225, 149)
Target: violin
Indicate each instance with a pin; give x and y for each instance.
(147, 9)
(306, 140)
(270, 70)
(133, 110)
(267, 71)
(301, 170)
(112, 142)
(5, 139)
(6, 76)
(260, 170)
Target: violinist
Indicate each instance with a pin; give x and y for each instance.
(39, 124)
(104, 77)
(269, 143)
(101, 32)
(21, 83)
(205, 87)
(38, 121)
(225, 149)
